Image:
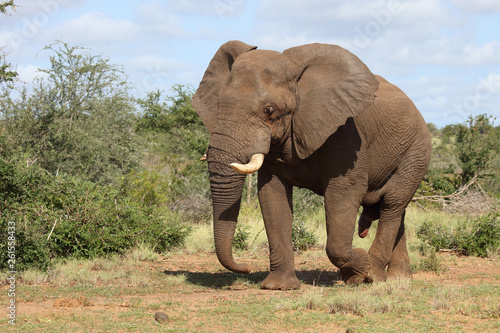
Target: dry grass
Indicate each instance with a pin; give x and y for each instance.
(123, 293)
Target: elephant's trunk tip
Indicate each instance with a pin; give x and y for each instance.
(230, 264)
(242, 269)
(255, 163)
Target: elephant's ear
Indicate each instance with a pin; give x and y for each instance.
(333, 85)
(206, 98)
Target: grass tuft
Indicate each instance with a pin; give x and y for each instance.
(143, 252)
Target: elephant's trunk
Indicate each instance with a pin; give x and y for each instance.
(227, 187)
(226, 199)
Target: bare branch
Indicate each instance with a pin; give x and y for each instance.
(453, 195)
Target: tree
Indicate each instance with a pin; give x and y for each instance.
(175, 116)
(476, 145)
(6, 4)
(450, 130)
(175, 140)
(6, 74)
(79, 119)
(433, 129)
(172, 112)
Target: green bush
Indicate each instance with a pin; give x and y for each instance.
(166, 233)
(66, 216)
(69, 172)
(302, 238)
(476, 145)
(429, 262)
(176, 139)
(474, 238)
(460, 153)
(304, 201)
(147, 188)
(175, 116)
(240, 240)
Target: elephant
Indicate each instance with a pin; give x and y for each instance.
(313, 116)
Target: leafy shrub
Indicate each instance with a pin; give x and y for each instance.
(460, 153)
(31, 250)
(429, 263)
(476, 145)
(167, 233)
(176, 137)
(175, 116)
(240, 241)
(474, 238)
(304, 201)
(69, 172)
(302, 238)
(66, 216)
(147, 188)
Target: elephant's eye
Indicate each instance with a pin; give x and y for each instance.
(268, 111)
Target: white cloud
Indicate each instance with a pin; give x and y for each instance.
(95, 27)
(385, 28)
(158, 63)
(152, 72)
(477, 6)
(432, 102)
(29, 73)
(483, 55)
(156, 18)
(30, 8)
(219, 8)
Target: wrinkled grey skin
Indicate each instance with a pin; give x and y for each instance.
(326, 123)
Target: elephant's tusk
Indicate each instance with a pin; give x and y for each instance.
(204, 157)
(252, 166)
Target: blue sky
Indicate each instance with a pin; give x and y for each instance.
(445, 55)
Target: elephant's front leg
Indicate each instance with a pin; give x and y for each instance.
(341, 211)
(275, 196)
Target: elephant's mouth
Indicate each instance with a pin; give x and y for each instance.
(251, 167)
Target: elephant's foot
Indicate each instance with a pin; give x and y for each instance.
(377, 269)
(281, 281)
(399, 269)
(358, 270)
(399, 264)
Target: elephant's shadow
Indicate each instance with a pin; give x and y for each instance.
(222, 280)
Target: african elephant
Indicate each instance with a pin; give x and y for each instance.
(315, 117)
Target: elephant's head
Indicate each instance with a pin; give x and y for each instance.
(252, 101)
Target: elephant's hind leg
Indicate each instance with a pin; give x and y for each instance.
(399, 264)
(390, 254)
(387, 247)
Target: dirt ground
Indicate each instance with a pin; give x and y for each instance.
(203, 270)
